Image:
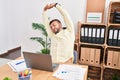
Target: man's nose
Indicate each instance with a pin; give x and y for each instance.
(53, 27)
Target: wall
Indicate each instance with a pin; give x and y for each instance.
(3, 30)
(18, 16)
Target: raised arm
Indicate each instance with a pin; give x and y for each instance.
(46, 19)
(66, 17)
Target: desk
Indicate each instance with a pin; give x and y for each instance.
(6, 71)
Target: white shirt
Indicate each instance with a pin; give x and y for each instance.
(62, 43)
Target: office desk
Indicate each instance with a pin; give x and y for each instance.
(6, 71)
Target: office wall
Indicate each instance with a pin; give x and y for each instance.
(18, 16)
(3, 35)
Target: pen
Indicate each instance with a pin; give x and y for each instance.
(19, 62)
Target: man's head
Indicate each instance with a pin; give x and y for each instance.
(55, 26)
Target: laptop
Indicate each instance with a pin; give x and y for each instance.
(39, 61)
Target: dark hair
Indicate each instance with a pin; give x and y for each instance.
(54, 20)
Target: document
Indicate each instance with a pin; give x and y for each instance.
(94, 17)
(17, 65)
(70, 72)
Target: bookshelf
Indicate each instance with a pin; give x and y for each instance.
(91, 52)
(105, 42)
(101, 55)
(114, 12)
(112, 52)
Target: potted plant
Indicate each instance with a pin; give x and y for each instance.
(44, 41)
(7, 78)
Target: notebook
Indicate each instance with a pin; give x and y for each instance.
(39, 61)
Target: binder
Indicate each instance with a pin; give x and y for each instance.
(109, 58)
(98, 36)
(117, 38)
(118, 41)
(119, 60)
(92, 55)
(82, 34)
(82, 59)
(97, 56)
(117, 16)
(86, 34)
(93, 35)
(87, 55)
(114, 43)
(117, 20)
(115, 59)
(102, 35)
(110, 37)
(90, 35)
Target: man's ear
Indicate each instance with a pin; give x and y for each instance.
(60, 25)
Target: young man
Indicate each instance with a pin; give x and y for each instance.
(62, 40)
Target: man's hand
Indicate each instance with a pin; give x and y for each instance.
(49, 6)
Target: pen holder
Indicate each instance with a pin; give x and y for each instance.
(25, 75)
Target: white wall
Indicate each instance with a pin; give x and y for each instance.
(18, 15)
(3, 30)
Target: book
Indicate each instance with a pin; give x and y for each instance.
(17, 65)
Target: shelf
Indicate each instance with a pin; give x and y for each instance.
(91, 44)
(101, 24)
(113, 47)
(90, 64)
(105, 66)
(113, 24)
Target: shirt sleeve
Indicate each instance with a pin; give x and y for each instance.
(46, 23)
(67, 19)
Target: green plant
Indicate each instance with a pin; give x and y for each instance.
(44, 41)
(115, 77)
(7, 78)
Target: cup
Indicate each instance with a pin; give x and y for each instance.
(25, 75)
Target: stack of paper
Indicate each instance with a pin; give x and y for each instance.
(70, 72)
(17, 65)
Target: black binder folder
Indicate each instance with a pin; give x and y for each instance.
(113, 36)
(116, 17)
(86, 35)
(102, 35)
(93, 35)
(97, 36)
(90, 35)
(110, 37)
(118, 39)
(82, 34)
(114, 41)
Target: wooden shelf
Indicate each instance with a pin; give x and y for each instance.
(105, 66)
(113, 24)
(91, 44)
(90, 64)
(117, 47)
(101, 24)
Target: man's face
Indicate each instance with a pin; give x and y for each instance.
(55, 27)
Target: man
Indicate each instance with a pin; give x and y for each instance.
(62, 40)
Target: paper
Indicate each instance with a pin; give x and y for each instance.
(94, 17)
(70, 72)
(17, 65)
